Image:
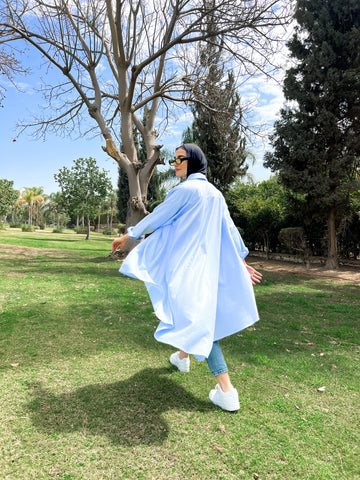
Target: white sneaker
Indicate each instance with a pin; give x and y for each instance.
(182, 365)
(227, 401)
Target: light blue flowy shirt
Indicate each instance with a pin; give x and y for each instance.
(193, 268)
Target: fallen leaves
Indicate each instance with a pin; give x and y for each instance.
(218, 447)
(222, 428)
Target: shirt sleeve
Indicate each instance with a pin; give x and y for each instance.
(163, 214)
(235, 234)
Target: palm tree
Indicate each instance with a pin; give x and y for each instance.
(163, 182)
(102, 209)
(39, 200)
(112, 203)
(56, 205)
(30, 196)
(109, 208)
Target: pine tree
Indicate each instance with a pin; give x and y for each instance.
(317, 140)
(217, 130)
(123, 195)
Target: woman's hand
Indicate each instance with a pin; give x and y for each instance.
(119, 243)
(255, 276)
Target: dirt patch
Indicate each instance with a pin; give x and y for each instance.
(343, 274)
(30, 251)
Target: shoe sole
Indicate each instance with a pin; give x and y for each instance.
(225, 409)
(232, 409)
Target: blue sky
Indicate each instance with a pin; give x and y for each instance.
(30, 162)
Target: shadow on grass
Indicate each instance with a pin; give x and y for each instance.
(127, 412)
(46, 266)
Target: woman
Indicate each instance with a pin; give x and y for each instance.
(194, 270)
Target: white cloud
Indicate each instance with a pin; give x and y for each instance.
(22, 87)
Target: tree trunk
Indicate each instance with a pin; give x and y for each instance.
(134, 215)
(266, 245)
(137, 204)
(332, 259)
(138, 174)
(88, 229)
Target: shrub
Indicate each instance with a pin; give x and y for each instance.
(121, 228)
(59, 229)
(27, 228)
(293, 239)
(16, 225)
(42, 226)
(81, 230)
(109, 231)
(2, 226)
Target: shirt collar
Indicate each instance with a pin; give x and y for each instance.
(197, 176)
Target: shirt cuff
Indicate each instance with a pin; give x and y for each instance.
(130, 232)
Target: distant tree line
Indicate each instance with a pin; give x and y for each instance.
(267, 215)
(86, 198)
(270, 220)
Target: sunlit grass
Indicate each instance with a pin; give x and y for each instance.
(46, 239)
(87, 393)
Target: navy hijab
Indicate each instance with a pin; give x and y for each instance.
(197, 162)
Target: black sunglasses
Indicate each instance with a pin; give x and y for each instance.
(177, 160)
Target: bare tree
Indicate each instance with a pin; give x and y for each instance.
(119, 57)
(9, 64)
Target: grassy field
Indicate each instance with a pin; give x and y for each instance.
(86, 393)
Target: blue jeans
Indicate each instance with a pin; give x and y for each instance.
(216, 361)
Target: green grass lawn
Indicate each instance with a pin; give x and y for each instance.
(87, 393)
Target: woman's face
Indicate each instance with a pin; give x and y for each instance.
(181, 169)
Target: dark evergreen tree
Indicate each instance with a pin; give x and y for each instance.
(216, 128)
(317, 140)
(123, 195)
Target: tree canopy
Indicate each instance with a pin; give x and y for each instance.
(218, 121)
(260, 211)
(8, 196)
(84, 187)
(30, 197)
(317, 140)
